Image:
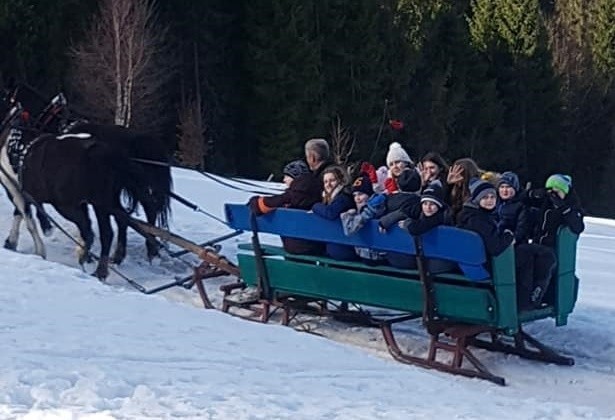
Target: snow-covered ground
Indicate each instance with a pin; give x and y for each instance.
(74, 348)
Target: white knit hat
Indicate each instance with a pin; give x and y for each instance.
(397, 153)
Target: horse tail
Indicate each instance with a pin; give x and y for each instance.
(154, 156)
(125, 176)
(162, 185)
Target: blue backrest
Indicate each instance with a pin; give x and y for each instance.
(461, 246)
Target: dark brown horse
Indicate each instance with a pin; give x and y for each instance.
(69, 172)
(149, 155)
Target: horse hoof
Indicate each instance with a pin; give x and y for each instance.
(85, 258)
(101, 273)
(118, 257)
(9, 245)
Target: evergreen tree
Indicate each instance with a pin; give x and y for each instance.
(603, 38)
(453, 104)
(512, 35)
(34, 39)
(206, 37)
(355, 65)
(282, 63)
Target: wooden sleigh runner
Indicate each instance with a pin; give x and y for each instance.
(468, 307)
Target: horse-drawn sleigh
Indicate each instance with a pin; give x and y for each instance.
(474, 305)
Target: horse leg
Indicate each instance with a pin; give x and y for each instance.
(13, 238)
(43, 221)
(151, 215)
(80, 217)
(21, 211)
(103, 216)
(120, 247)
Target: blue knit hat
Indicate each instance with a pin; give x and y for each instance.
(509, 178)
(559, 182)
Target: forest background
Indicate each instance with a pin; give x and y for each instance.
(237, 86)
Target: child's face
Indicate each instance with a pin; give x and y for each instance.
(287, 180)
(330, 182)
(506, 192)
(429, 208)
(360, 199)
(487, 202)
(397, 167)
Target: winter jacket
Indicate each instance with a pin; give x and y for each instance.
(398, 207)
(553, 212)
(483, 222)
(303, 193)
(408, 181)
(340, 202)
(353, 220)
(423, 224)
(512, 215)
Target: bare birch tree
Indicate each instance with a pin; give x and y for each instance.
(342, 142)
(119, 68)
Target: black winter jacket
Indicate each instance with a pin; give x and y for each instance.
(484, 223)
(512, 215)
(553, 212)
(303, 193)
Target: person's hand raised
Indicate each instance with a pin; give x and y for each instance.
(455, 174)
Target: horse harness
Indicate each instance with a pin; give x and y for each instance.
(18, 148)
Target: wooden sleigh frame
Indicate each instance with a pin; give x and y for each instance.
(471, 307)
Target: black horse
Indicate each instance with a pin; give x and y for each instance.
(69, 172)
(148, 153)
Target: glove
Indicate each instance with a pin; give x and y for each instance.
(375, 201)
(557, 202)
(369, 169)
(390, 185)
(537, 193)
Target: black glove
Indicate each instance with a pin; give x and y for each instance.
(556, 200)
(537, 193)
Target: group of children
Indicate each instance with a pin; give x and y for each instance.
(419, 197)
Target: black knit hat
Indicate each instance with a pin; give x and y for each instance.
(295, 169)
(363, 184)
(479, 189)
(433, 192)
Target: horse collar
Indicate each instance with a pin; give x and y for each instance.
(17, 148)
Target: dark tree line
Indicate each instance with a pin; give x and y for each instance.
(524, 85)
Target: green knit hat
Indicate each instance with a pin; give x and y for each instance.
(559, 182)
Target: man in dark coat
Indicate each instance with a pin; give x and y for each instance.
(303, 193)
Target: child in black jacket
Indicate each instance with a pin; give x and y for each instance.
(556, 205)
(534, 263)
(429, 213)
(477, 215)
